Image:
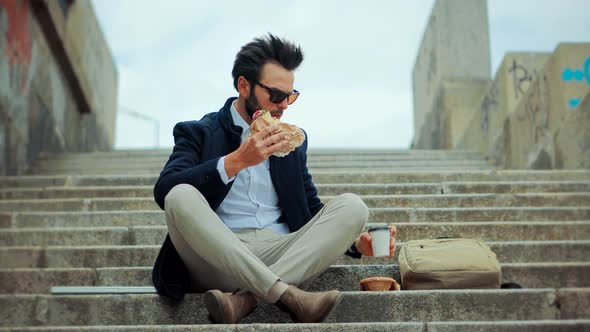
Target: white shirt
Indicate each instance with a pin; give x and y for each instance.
(252, 201)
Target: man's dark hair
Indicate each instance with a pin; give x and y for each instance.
(254, 55)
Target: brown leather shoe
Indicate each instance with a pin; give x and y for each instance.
(225, 308)
(305, 307)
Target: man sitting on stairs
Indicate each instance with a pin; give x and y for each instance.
(241, 220)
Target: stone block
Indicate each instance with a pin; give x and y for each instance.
(94, 66)
(448, 50)
(256, 327)
(515, 187)
(456, 101)
(572, 138)
(22, 257)
(65, 236)
(39, 281)
(90, 219)
(6, 220)
(538, 275)
(573, 303)
(405, 306)
(478, 214)
(511, 326)
(562, 83)
(485, 131)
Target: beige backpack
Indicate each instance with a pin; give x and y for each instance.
(448, 263)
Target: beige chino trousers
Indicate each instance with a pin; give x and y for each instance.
(255, 259)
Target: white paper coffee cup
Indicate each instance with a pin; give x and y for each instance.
(380, 238)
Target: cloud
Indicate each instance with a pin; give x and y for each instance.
(175, 58)
(535, 26)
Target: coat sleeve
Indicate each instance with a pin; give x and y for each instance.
(185, 165)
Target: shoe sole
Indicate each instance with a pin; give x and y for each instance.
(213, 304)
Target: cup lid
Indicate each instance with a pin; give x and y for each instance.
(378, 228)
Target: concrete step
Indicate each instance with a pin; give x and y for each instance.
(569, 325)
(312, 153)
(418, 306)
(479, 214)
(320, 177)
(378, 215)
(511, 252)
(149, 171)
(323, 189)
(373, 201)
(153, 235)
(341, 277)
(311, 163)
(145, 255)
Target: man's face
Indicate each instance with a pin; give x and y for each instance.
(273, 76)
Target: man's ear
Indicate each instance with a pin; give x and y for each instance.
(243, 87)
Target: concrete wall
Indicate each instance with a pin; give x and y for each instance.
(572, 138)
(454, 107)
(448, 51)
(535, 113)
(547, 106)
(512, 80)
(58, 82)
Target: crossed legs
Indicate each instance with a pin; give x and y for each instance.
(261, 261)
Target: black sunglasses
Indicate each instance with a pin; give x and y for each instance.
(277, 96)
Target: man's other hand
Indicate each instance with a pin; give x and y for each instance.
(363, 243)
(255, 149)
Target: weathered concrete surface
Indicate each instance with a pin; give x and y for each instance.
(449, 50)
(40, 108)
(478, 214)
(323, 189)
(574, 302)
(319, 177)
(545, 106)
(537, 223)
(94, 66)
(512, 326)
(581, 199)
(341, 277)
(256, 327)
(105, 256)
(377, 215)
(154, 235)
(456, 100)
(405, 306)
(577, 325)
(451, 110)
(511, 82)
(572, 138)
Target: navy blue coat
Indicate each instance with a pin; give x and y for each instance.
(198, 145)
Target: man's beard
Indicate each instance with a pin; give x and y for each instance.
(252, 104)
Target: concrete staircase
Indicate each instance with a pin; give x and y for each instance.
(90, 220)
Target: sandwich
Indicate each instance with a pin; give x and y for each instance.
(294, 134)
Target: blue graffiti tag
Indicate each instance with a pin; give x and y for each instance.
(578, 75)
(574, 102)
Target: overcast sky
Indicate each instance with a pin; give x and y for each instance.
(174, 59)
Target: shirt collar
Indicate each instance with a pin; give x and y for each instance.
(237, 118)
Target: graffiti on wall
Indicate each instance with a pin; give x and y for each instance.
(17, 59)
(17, 48)
(521, 78)
(489, 103)
(579, 76)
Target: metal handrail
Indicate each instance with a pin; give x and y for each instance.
(144, 117)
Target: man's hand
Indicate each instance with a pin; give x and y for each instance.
(363, 243)
(255, 149)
